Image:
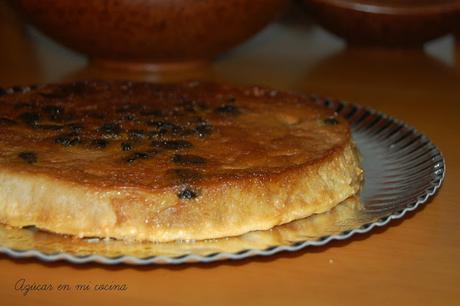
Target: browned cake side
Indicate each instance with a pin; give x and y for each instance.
(164, 162)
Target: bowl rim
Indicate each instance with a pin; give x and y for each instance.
(387, 9)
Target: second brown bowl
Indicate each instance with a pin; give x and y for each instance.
(396, 23)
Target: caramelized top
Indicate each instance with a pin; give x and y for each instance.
(128, 134)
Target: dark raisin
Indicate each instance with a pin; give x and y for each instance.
(55, 113)
(203, 129)
(125, 146)
(110, 129)
(99, 143)
(52, 127)
(164, 128)
(331, 121)
(138, 155)
(6, 121)
(28, 157)
(231, 99)
(29, 118)
(67, 140)
(177, 131)
(171, 144)
(135, 134)
(75, 127)
(187, 193)
(53, 110)
(129, 117)
(191, 106)
(230, 109)
(3, 91)
(183, 132)
(188, 159)
(154, 134)
(18, 89)
(161, 124)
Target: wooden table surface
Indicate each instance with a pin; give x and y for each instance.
(414, 261)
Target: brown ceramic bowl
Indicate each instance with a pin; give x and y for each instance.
(144, 32)
(401, 23)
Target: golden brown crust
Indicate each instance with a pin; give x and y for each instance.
(165, 162)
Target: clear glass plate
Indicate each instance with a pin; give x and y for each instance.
(402, 170)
